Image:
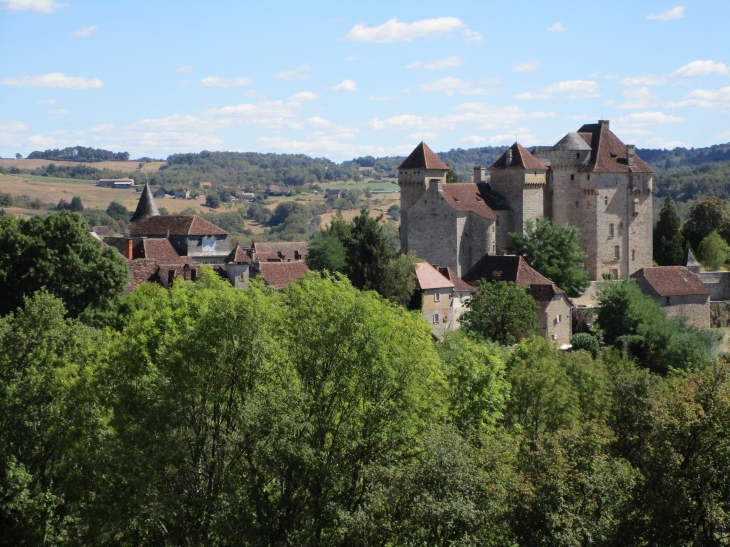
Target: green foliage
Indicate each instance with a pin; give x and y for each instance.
(500, 311)
(231, 222)
(97, 217)
(713, 252)
(668, 239)
(213, 201)
(394, 212)
(706, 216)
(451, 176)
(290, 220)
(554, 251)
(75, 206)
(57, 253)
(80, 154)
(6, 200)
(586, 341)
(118, 211)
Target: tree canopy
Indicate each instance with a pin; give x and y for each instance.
(668, 239)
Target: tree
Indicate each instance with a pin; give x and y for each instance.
(6, 200)
(326, 253)
(668, 239)
(554, 251)
(502, 312)
(706, 216)
(451, 176)
(212, 201)
(587, 342)
(76, 206)
(57, 253)
(394, 212)
(118, 211)
(18, 156)
(713, 252)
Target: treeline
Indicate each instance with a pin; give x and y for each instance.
(79, 153)
(663, 159)
(688, 184)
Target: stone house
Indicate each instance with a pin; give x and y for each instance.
(442, 297)
(280, 251)
(160, 193)
(679, 292)
(554, 308)
(237, 268)
(274, 190)
(182, 193)
(279, 274)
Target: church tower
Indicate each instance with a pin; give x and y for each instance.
(146, 207)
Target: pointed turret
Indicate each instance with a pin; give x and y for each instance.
(146, 206)
(690, 262)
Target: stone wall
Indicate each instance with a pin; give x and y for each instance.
(439, 315)
(695, 307)
(720, 315)
(718, 284)
(523, 191)
(555, 320)
(413, 184)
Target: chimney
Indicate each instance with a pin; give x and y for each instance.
(128, 249)
(508, 157)
(630, 153)
(479, 174)
(603, 122)
(435, 185)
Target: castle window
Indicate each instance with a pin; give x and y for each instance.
(437, 297)
(572, 177)
(605, 200)
(611, 230)
(617, 251)
(633, 255)
(576, 204)
(589, 177)
(577, 155)
(435, 318)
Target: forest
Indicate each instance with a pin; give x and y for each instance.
(80, 154)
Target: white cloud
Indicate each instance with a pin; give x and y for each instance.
(303, 96)
(215, 81)
(640, 97)
(296, 74)
(55, 79)
(646, 79)
(449, 86)
(575, 89)
(84, 32)
(702, 68)
(674, 13)
(185, 69)
(396, 31)
(556, 27)
(351, 58)
(659, 142)
(706, 98)
(439, 64)
(472, 35)
(13, 127)
(529, 95)
(382, 98)
(42, 141)
(47, 101)
(481, 115)
(421, 136)
(345, 85)
(723, 136)
(59, 111)
(530, 66)
(643, 118)
(103, 128)
(472, 139)
(39, 6)
(523, 135)
(638, 132)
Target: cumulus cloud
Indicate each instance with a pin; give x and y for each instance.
(47, 101)
(523, 135)
(102, 128)
(449, 86)
(215, 81)
(425, 136)
(702, 68)
(302, 97)
(59, 111)
(296, 74)
(185, 69)
(659, 142)
(556, 27)
(575, 89)
(439, 64)
(39, 6)
(396, 31)
(530, 66)
(723, 136)
(646, 118)
(674, 13)
(706, 98)
(84, 32)
(345, 85)
(646, 79)
(529, 95)
(55, 79)
(640, 97)
(473, 140)
(472, 35)
(13, 127)
(482, 116)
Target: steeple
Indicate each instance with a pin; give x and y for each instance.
(690, 262)
(423, 157)
(146, 206)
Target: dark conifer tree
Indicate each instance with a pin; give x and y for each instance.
(669, 242)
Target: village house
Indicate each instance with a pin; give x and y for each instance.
(442, 295)
(116, 183)
(205, 185)
(274, 190)
(554, 309)
(182, 193)
(160, 193)
(280, 251)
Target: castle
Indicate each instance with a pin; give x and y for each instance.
(589, 179)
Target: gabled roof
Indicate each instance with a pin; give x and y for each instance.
(286, 250)
(608, 153)
(423, 157)
(177, 225)
(280, 274)
(429, 277)
(571, 141)
(238, 256)
(459, 283)
(521, 159)
(467, 196)
(146, 206)
(672, 281)
(158, 248)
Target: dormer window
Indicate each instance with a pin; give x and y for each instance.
(209, 244)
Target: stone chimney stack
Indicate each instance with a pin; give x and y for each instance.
(128, 249)
(435, 185)
(508, 157)
(603, 122)
(630, 153)
(480, 174)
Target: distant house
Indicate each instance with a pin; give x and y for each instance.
(160, 193)
(443, 296)
(182, 193)
(280, 274)
(274, 190)
(679, 292)
(280, 251)
(248, 196)
(554, 312)
(101, 230)
(205, 184)
(237, 268)
(115, 183)
(335, 194)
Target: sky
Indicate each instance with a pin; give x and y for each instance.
(346, 79)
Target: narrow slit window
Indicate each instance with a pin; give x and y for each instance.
(435, 318)
(572, 177)
(437, 297)
(605, 200)
(611, 230)
(617, 251)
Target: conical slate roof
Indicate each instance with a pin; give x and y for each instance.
(690, 262)
(571, 141)
(423, 157)
(146, 206)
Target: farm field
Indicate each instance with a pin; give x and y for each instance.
(127, 166)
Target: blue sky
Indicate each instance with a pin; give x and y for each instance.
(342, 80)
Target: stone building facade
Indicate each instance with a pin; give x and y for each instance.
(443, 295)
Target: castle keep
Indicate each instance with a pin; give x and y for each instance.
(589, 179)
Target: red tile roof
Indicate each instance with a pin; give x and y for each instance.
(608, 153)
(280, 274)
(466, 196)
(423, 157)
(521, 159)
(672, 281)
(158, 248)
(428, 277)
(178, 225)
(286, 250)
(238, 255)
(141, 270)
(459, 283)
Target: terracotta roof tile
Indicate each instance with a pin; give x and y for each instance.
(467, 196)
(177, 225)
(429, 277)
(423, 157)
(459, 283)
(280, 274)
(158, 248)
(672, 281)
(141, 270)
(238, 255)
(608, 153)
(521, 159)
(294, 250)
